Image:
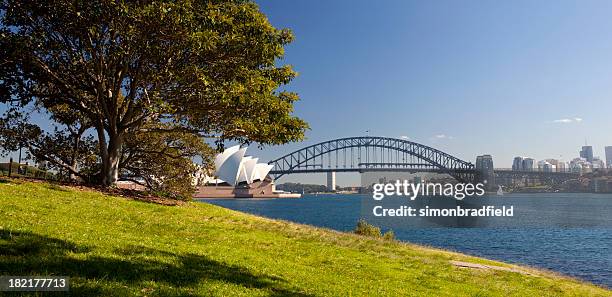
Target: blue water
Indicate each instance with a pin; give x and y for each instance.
(584, 252)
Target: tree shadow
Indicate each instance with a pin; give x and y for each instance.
(55, 187)
(23, 253)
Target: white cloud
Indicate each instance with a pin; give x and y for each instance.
(405, 137)
(442, 136)
(568, 120)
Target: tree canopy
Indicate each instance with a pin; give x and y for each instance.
(145, 78)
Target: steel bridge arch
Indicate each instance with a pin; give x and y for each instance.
(298, 160)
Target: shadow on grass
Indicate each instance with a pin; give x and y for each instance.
(135, 267)
(55, 187)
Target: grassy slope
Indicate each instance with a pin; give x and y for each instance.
(116, 247)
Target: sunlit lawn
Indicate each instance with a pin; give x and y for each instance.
(112, 246)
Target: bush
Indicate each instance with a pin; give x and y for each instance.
(366, 229)
(389, 235)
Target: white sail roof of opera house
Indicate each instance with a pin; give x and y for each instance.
(222, 157)
(262, 170)
(248, 169)
(233, 167)
(229, 168)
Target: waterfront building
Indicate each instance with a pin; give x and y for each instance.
(598, 163)
(517, 163)
(546, 166)
(552, 161)
(580, 165)
(575, 167)
(237, 175)
(608, 150)
(484, 162)
(528, 164)
(562, 166)
(559, 165)
(587, 153)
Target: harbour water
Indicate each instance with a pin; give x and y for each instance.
(581, 251)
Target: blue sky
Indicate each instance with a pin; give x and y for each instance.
(467, 77)
(531, 78)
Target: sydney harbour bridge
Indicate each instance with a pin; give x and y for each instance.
(384, 154)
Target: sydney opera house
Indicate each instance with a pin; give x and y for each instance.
(240, 176)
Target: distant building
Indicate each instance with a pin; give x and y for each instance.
(528, 164)
(587, 153)
(575, 167)
(546, 166)
(237, 176)
(580, 165)
(608, 150)
(598, 163)
(517, 163)
(559, 166)
(552, 161)
(484, 162)
(562, 166)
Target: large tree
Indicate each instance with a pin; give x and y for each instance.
(139, 69)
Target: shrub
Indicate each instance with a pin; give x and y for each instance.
(366, 229)
(389, 235)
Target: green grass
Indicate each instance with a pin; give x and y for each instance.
(113, 246)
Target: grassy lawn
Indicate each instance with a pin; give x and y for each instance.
(113, 246)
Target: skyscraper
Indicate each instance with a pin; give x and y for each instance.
(484, 162)
(587, 153)
(517, 164)
(529, 164)
(608, 150)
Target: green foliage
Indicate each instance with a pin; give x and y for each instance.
(389, 235)
(164, 161)
(120, 247)
(64, 149)
(118, 69)
(366, 229)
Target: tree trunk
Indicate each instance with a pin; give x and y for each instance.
(111, 155)
(74, 157)
(73, 166)
(111, 164)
